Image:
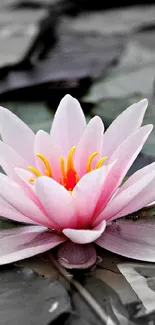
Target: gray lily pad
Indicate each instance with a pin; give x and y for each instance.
(134, 75)
(26, 298)
(128, 83)
(116, 21)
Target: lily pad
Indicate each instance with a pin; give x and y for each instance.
(18, 29)
(135, 82)
(76, 56)
(26, 298)
(134, 75)
(116, 21)
(141, 278)
(129, 307)
(105, 292)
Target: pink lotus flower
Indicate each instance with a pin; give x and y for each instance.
(67, 186)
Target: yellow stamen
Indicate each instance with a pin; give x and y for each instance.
(89, 161)
(100, 162)
(62, 166)
(34, 171)
(48, 170)
(31, 180)
(70, 164)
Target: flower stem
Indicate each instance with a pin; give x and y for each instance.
(83, 292)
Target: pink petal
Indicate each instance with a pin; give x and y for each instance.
(14, 196)
(17, 134)
(86, 194)
(9, 159)
(29, 189)
(69, 124)
(22, 244)
(147, 195)
(131, 239)
(74, 256)
(20, 230)
(57, 201)
(136, 176)
(90, 142)
(9, 212)
(24, 181)
(129, 196)
(141, 200)
(123, 157)
(85, 236)
(123, 126)
(46, 145)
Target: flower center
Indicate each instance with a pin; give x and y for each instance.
(69, 176)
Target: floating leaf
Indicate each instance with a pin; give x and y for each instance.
(134, 74)
(115, 21)
(141, 278)
(128, 83)
(26, 298)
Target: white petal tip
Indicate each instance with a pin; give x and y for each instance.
(144, 101)
(67, 98)
(82, 236)
(148, 128)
